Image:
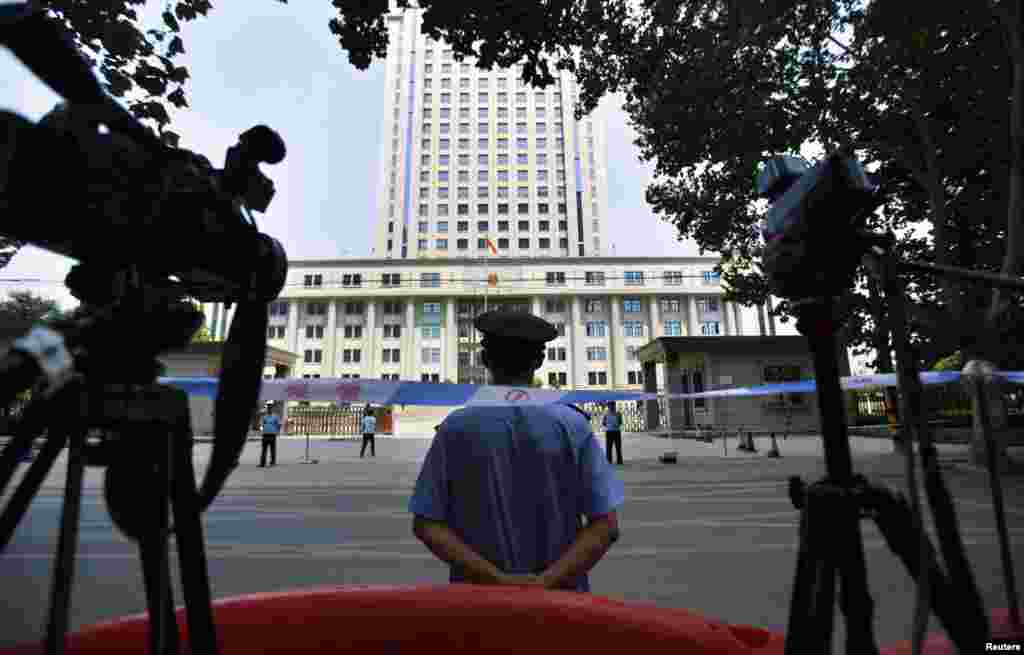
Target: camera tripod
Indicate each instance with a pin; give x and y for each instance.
(830, 540)
(117, 417)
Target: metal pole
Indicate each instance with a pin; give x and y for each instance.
(911, 394)
(996, 279)
(978, 387)
(67, 542)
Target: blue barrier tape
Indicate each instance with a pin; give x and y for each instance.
(382, 392)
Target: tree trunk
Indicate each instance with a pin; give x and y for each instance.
(883, 346)
(1012, 16)
(760, 317)
(771, 318)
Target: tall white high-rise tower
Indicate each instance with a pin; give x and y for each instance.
(471, 156)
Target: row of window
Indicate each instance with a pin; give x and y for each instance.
(482, 97)
(433, 355)
(481, 244)
(503, 226)
(482, 82)
(551, 306)
(483, 175)
(483, 209)
(502, 159)
(593, 329)
(483, 114)
(502, 192)
(591, 278)
(594, 378)
(501, 127)
(483, 143)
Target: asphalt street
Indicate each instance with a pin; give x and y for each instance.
(712, 533)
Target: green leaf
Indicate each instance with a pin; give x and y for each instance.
(177, 98)
(179, 74)
(176, 47)
(171, 21)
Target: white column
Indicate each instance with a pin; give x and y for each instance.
(293, 328)
(211, 311)
(535, 309)
(726, 319)
(330, 334)
(691, 322)
(370, 354)
(577, 374)
(616, 347)
(737, 316)
(409, 353)
(450, 370)
(655, 329)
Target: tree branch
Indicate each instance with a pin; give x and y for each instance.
(843, 47)
(917, 173)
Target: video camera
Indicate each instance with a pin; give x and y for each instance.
(812, 247)
(151, 226)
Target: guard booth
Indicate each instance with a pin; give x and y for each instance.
(681, 365)
(204, 359)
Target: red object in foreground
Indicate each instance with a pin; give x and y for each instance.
(446, 618)
(938, 644)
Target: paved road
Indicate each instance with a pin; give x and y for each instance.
(712, 533)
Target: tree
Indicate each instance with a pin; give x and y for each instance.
(918, 92)
(537, 383)
(25, 307)
(954, 362)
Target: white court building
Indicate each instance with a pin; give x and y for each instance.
(412, 319)
(469, 155)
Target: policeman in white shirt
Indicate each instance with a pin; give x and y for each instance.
(503, 490)
(369, 427)
(612, 422)
(271, 428)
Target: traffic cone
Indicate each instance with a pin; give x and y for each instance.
(774, 452)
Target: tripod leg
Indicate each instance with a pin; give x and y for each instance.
(854, 598)
(952, 547)
(156, 575)
(903, 536)
(64, 567)
(192, 554)
(824, 605)
(819, 500)
(32, 424)
(30, 484)
(156, 571)
(11, 455)
(803, 626)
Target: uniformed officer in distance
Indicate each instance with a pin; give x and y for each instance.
(503, 489)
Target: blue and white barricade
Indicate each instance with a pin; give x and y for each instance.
(382, 392)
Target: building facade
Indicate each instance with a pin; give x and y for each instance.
(470, 156)
(412, 320)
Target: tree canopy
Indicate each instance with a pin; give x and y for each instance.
(27, 307)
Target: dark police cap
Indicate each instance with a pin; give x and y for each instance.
(501, 324)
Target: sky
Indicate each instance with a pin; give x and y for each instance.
(259, 61)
